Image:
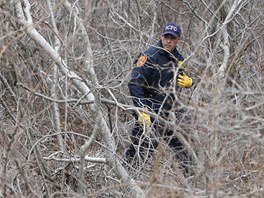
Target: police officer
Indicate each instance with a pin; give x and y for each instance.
(157, 70)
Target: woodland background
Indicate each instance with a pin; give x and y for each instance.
(65, 111)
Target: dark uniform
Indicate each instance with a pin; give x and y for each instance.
(151, 86)
(158, 72)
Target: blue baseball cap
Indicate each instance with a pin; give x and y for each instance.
(173, 29)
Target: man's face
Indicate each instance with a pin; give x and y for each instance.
(169, 42)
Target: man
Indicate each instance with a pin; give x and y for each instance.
(154, 81)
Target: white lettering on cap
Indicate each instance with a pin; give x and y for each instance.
(171, 27)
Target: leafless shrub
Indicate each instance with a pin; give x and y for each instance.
(97, 42)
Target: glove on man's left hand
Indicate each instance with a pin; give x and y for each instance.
(184, 81)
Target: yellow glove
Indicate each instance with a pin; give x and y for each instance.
(144, 119)
(184, 81)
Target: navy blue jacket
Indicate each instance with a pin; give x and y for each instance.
(148, 81)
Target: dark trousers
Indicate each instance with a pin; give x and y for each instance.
(145, 145)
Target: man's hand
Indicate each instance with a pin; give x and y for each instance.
(144, 119)
(184, 81)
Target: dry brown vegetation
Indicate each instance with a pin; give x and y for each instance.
(65, 111)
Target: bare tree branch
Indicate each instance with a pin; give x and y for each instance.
(57, 45)
(101, 123)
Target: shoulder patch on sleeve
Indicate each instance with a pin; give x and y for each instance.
(141, 60)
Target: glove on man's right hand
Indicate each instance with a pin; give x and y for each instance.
(144, 119)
